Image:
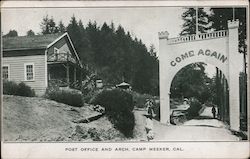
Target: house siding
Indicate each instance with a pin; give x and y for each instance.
(63, 45)
(59, 44)
(16, 65)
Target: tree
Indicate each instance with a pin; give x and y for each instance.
(192, 81)
(30, 33)
(220, 17)
(152, 51)
(74, 31)
(61, 27)
(11, 33)
(189, 25)
(114, 56)
(48, 25)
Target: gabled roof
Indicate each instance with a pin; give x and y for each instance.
(36, 42)
(29, 42)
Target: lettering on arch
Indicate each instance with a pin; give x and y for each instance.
(208, 53)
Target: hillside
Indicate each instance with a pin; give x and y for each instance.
(38, 119)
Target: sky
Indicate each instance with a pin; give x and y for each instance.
(143, 23)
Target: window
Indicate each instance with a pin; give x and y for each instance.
(6, 72)
(29, 72)
(56, 50)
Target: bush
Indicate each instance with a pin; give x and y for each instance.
(193, 110)
(10, 88)
(140, 99)
(69, 97)
(21, 89)
(118, 107)
(91, 95)
(157, 110)
(24, 90)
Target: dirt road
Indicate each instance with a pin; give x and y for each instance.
(195, 130)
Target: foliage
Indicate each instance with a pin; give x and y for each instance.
(91, 95)
(11, 33)
(192, 81)
(70, 97)
(220, 17)
(30, 33)
(61, 27)
(48, 25)
(189, 25)
(21, 89)
(157, 110)
(100, 134)
(140, 99)
(113, 54)
(9, 87)
(243, 101)
(193, 110)
(118, 107)
(24, 90)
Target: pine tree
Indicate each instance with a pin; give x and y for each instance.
(191, 80)
(30, 33)
(61, 27)
(189, 25)
(48, 25)
(11, 33)
(220, 17)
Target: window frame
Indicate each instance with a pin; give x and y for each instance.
(25, 71)
(56, 50)
(6, 65)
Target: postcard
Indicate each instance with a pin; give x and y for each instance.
(125, 79)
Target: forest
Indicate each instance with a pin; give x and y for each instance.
(115, 56)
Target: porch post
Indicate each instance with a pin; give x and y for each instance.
(67, 72)
(74, 74)
(80, 76)
(48, 73)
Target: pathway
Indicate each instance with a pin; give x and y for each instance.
(204, 129)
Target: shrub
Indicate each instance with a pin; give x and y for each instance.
(118, 107)
(157, 110)
(69, 97)
(91, 95)
(10, 87)
(193, 110)
(21, 89)
(24, 90)
(140, 99)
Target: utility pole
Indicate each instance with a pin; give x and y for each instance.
(233, 14)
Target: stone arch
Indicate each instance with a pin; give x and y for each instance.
(218, 48)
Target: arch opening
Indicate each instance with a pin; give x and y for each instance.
(204, 83)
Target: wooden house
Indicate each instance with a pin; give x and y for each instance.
(41, 60)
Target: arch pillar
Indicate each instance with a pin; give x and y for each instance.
(234, 60)
(164, 91)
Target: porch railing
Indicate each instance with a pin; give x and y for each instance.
(61, 57)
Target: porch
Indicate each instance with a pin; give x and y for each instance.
(64, 71)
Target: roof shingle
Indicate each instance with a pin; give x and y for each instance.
(29, 42)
